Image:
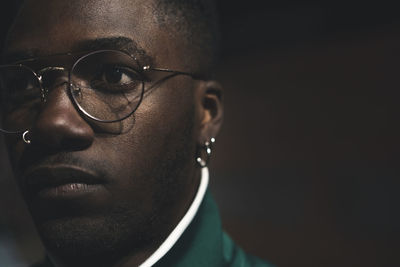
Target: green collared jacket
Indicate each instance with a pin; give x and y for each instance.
(204, 244)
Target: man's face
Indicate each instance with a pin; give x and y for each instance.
(142, 168)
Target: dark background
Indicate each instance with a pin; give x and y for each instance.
(305, 170)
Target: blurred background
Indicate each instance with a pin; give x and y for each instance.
(305, 170)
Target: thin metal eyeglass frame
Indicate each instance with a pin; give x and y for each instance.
(39, 77)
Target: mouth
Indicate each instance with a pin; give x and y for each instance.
(61, 181)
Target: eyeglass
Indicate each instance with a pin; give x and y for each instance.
(105, 85)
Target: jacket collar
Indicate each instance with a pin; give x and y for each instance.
(201, 243)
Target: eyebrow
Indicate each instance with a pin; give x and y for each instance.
(119, 43)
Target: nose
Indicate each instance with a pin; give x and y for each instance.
(59, 124)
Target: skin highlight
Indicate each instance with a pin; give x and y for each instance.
(149, 172)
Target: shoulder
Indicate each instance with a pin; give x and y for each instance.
(234, 256)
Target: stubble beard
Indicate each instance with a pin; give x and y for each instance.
(122, 231)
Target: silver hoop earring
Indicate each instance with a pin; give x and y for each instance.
(24, 137)
(205, 149)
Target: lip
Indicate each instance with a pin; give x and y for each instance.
(61, 181)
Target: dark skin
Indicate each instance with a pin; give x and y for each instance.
(146, 163)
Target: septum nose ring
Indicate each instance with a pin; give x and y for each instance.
(25, 138)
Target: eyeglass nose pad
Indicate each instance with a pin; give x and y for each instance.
(75, 90)
(52, 77)
(47, 89)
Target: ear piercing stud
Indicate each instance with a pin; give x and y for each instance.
(207, 148)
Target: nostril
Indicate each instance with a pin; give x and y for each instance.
(63, 133)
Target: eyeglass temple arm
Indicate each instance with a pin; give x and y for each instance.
(194, 76)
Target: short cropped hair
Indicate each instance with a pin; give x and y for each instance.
(197, 21)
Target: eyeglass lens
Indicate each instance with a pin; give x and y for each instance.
(106, 85)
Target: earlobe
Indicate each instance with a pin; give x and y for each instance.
(211, 110)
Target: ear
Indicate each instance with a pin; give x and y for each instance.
(210, 110)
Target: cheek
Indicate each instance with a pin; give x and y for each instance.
(165, 114)
(162, 130)
(158, 152)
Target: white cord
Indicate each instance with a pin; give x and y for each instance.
(183, 224)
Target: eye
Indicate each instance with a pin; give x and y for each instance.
(21, 89)
(119, 75)
(18, 85)
(19, 94)
(116, 79)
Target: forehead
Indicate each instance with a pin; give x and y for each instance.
(45, 27)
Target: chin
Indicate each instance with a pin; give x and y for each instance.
(95, 241)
